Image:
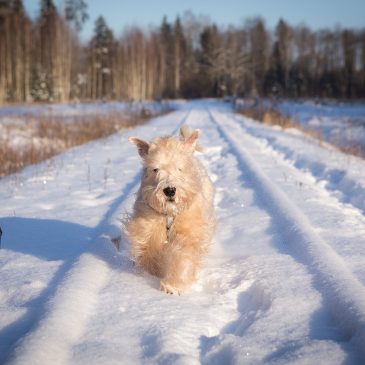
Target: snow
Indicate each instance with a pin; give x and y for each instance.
(283, 282)
(20, 130)
(342, 124)
(78, 109)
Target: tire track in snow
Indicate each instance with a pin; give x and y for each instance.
(344, 294)
(352, 190)
(66, 311)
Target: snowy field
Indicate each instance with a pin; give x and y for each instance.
(284, 282)
(76, 109)
(342, 124)
(19, 125)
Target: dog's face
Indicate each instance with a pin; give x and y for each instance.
(170, 178)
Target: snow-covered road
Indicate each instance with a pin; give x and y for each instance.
(284, 282)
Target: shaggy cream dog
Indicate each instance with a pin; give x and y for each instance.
(173, 220)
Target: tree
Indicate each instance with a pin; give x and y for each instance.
(212, 61)
(47, 7)
(349, 56)
(101, 57)
(329, 64)
(281, 56)
(15, 48)
(362, 65)
(304, 66)
(258, 54)
(190, 57)
(76, 13)
(52, 54)
(167, 58)
(233, 63)
(179, 53)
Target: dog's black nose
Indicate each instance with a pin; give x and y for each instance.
(169, 192)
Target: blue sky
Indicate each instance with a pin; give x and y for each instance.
(314, 13)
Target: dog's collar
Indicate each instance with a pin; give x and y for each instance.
(169, 222)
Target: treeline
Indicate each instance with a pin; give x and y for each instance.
(44, 60)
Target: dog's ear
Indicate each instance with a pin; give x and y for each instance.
(185, 134)
(142, 146)
(190, 142)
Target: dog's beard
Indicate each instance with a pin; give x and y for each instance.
(158, 201)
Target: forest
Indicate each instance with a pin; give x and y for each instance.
(44, 59)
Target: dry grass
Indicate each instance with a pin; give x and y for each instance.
(352, 150)
(49, 135)
(272, 116)
(268, 115)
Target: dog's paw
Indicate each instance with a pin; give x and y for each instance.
(169, 289)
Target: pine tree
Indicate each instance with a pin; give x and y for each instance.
(53, 52)
(349, 56)
(5, 5)
(18, 6)
(282, 55)
(76, 13)
(259, 52)
(179, 55)
(362, 49)
(47, 7)
(102, 49)
(212, 61)
(167, 58)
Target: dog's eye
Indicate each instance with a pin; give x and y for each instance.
(156, 170)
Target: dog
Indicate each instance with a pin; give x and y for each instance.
(173, 218)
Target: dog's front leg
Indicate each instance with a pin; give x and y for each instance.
(180, 261)
(147, 236)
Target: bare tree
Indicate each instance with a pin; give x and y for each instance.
(15, 49)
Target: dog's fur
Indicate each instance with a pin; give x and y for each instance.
(170, 235)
